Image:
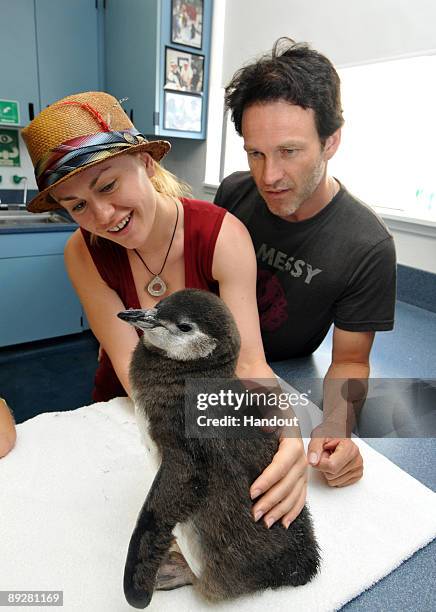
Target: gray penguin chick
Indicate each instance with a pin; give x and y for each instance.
(192, 334)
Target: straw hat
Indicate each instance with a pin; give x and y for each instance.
(77, 132)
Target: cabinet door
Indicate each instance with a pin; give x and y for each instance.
(68, 47)
(195, 101)
(19, 75)
(37, 300)
(132, 58)
(137, 33)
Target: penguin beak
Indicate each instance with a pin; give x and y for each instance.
(144, 319)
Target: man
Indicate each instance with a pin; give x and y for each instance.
(323, 256)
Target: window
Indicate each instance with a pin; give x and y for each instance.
(387, 154)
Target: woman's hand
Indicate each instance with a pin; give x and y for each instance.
(283, 484)
(8, 434)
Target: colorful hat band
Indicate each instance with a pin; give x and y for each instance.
(81, 151)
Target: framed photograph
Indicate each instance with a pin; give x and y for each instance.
(182, 112)
(183, 70)
(187, 22)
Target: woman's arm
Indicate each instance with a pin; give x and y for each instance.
(101, 305)
(8, 434)
(235, 268)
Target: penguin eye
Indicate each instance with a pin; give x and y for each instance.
(184, 327)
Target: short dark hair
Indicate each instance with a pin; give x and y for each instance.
(292, 72)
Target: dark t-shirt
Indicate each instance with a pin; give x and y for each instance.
(336, 267)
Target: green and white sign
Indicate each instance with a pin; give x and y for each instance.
(9, 112)
(9, 148)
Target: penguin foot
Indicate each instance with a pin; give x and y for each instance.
(173, 573)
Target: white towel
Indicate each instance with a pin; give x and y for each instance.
(72, 488)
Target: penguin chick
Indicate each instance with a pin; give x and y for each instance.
(192, 334)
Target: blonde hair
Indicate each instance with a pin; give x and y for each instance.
(167, 183)
(164, 182)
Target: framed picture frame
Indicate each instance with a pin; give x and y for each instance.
(187, 22)
(184, 71)
(182, 112)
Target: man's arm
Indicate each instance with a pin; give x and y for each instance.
(367, 305)
(345, 383)
(331, 450)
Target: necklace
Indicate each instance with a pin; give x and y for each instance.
(157, 286)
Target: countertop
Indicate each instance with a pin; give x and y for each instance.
(33, 227)
(409, 353)
(40, 228)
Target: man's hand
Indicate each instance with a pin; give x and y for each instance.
(284, 484)
(339, 459)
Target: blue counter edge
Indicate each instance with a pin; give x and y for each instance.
(37, 229)
(15, 196)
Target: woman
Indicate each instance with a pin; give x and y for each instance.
(140, 240)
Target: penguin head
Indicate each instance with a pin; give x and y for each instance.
(188, 325)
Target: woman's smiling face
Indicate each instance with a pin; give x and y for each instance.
(113, 199)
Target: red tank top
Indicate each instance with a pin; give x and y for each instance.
(202, 224)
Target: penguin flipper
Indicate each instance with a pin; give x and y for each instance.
(173, 497)
(143, 558)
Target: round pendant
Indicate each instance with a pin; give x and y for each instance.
(156, 287)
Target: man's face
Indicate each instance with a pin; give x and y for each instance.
(285, 155)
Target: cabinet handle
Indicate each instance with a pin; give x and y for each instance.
(131, 115)
(31, 111)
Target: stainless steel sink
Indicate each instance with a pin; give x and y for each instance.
(26, 218)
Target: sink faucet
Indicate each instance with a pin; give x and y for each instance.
(17, 180)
